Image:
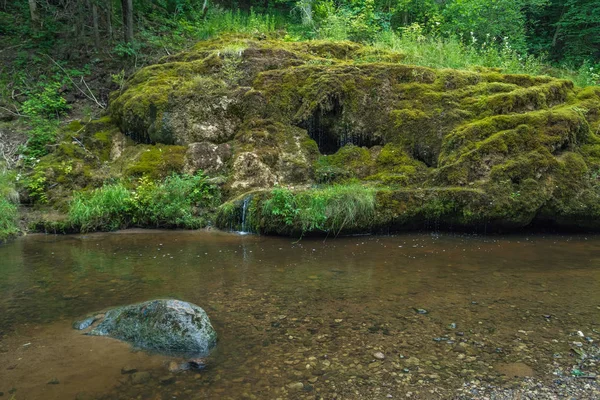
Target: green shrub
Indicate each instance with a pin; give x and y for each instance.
(47, 102)
(42, 133)
(175, 202)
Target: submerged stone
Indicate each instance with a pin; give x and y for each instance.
(164, 326)
(84, 323)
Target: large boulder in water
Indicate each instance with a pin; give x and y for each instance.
(165, 326)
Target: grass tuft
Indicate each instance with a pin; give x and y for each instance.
(8, 205)
(179, 201)
(331, 209)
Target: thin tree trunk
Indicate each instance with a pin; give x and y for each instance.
(81, 12)
(95, 24)
(557, 31)
(33, 11)
(204, 8)
(109, 19)
(127, 7)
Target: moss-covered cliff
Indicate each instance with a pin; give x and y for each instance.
(434, 148)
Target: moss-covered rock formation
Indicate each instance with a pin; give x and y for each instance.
(459, 148)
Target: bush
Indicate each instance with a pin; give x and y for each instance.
(42, 133)
(178, 201)
(175, 202)
(47, 102)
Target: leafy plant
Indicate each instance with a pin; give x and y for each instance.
(46, 103)
(41, 134)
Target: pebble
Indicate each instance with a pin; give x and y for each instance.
(295, 386)
(138, 378)
(128, 370)
(379, 355)
(167, 379)
(173, 366)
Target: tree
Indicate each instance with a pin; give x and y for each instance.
(33, 11)
(127, 8)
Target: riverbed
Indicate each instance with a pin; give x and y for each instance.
(420, 316)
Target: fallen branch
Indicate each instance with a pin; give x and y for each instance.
(15, 113)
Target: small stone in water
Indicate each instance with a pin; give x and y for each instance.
(140, 377)
(167, 380)
(128, 370)
(421, 311)
(53, 381)
(379, 355)
(296, 386)
(452, 326)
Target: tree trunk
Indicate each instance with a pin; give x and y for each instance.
(127, 7)
(204, 9)
(33, 11)
(109, 27)
(557, 31)
(95, 24)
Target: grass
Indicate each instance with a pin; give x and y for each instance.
(179, 201)
(8, 205)
(451, 52)
(329, 209)
(107, 208)
(178, 34)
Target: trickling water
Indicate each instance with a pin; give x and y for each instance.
(245, 204)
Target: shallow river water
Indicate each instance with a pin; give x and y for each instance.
(452, 316)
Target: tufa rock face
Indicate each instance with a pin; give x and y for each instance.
(207, 157)
(164, 326)
(461, 148)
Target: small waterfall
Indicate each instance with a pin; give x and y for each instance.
(245, 204)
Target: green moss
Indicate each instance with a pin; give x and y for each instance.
(348, 162)
(156, 161)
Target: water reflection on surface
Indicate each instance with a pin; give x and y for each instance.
(299, 319)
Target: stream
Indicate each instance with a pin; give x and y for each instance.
(420, 316)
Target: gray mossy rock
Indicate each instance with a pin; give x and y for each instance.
(164, 326)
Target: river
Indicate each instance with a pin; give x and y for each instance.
(366, 317)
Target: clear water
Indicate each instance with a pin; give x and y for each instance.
(299, 319)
